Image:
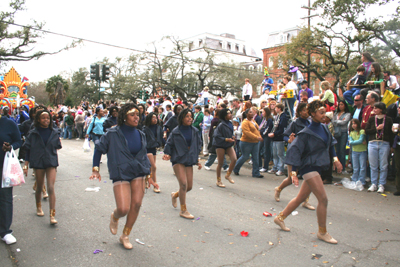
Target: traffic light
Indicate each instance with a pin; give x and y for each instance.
(95, 72)
(146, 95)
(105, 74)
(140, 94)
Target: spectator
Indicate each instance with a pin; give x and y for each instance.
(396, 147)
(358, 108)
(391, 83)
(9, 138)
(341, 119)
(237, 130)
(79, 123)
(379, 130)
(304, 88)
(278, 145)
(266, 145)
(249, 144)
(69, 123)
(198, 118)
(357, 80)
(236, 108)
(374, 80)
(367, 112)
(326, 175)
(357, 141)
(290, 85)
(247, 91)
(267, 84)
(327, 96)
(297, 76)
(206, 95)
(206, 130)
(172, 122)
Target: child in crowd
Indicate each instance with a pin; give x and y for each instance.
(356, 80)
(281, 91)
(237, 131)
(359, 155)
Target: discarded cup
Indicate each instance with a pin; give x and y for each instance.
(267, 214)
(294, 213)
(244, 234)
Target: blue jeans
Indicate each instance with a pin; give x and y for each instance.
(237, 148)
(247, 149)
(378, 152)
(266, 152)
(291, 102)
(359, 160)
(68, 132)
(341, 148)
(350, 94)
(205, 101)
(212, 158)
(278, 151)
(6, 210)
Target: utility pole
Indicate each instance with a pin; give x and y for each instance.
(309, 8)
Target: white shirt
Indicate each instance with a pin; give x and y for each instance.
(205, 94)
(150, 109)
(297, 76)
(164, 105)
(392, 80)
(247, 89)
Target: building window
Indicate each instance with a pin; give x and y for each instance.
(244, 50)
(259, 67)
(251, 67)
(270, 63)
(280, 63)
(237, 48)
(220, 45)
(200, 43)
(229, 47)
(190, 46)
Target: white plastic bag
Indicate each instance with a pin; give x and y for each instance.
(352, 185)
(86, 145)
(12, 171)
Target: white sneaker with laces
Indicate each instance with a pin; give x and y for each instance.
(279, 173)
(263, 170)
(9, 239)
(372, 188)
(207, 168)
(381, 189)
(251, 162)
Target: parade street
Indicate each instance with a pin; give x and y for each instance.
(366, 225)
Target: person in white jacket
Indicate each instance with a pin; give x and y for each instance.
(247, 91)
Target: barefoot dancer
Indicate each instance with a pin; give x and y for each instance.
(310, 153)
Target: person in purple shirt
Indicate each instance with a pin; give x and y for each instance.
(304, 87)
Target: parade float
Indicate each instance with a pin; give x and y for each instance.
(14, 91)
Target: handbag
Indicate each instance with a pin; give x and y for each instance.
(12, 171)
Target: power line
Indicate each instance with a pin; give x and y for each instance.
(122, 47)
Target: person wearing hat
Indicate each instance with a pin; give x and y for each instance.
(297, 76)
(304, 88)
(267, 83)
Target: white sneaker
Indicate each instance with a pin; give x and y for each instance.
(372, 188)
(271, 171)
(251, 162)
(368, 179)
(9, 239)
(225, 170)
(279, 173)
(207, 168)
(77, 139)
(263, 170)
(381, 189)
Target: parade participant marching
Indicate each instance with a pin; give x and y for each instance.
(223, 140)
(289, 135)
(182, 148)
(310, 153)
(128, 165)
(172, 122)
(154, 134)
(41, 146)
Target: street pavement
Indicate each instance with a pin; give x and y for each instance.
(365, 224)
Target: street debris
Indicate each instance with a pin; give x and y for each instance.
(97, 251)
(92, 189)
(139, 242)
(267, 214)
(244, 234)
(294, 213)
(316, 256)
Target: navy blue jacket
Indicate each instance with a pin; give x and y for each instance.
(108, 123)
(220, 133)
(42, 156)
(309, 149)
(278, 131)
(171, 124)
(120, 161)
(178, 149)
(295, 127)
(153, 141)
(267, 128)
(8, 133)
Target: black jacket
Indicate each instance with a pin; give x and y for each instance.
(25, 127)
(108, 123)
(171, 124)
(42, 156)
(120, 161)
(178, 149)
(153, 141)
(220, 133)
(280, 124)
(309, 149)
(359, 115)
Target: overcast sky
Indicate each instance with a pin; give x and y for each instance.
(134, 24)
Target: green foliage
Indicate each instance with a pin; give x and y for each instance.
(51, 84)
(82, 88)
(69, 102)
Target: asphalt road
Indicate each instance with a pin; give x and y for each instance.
(365, 224)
